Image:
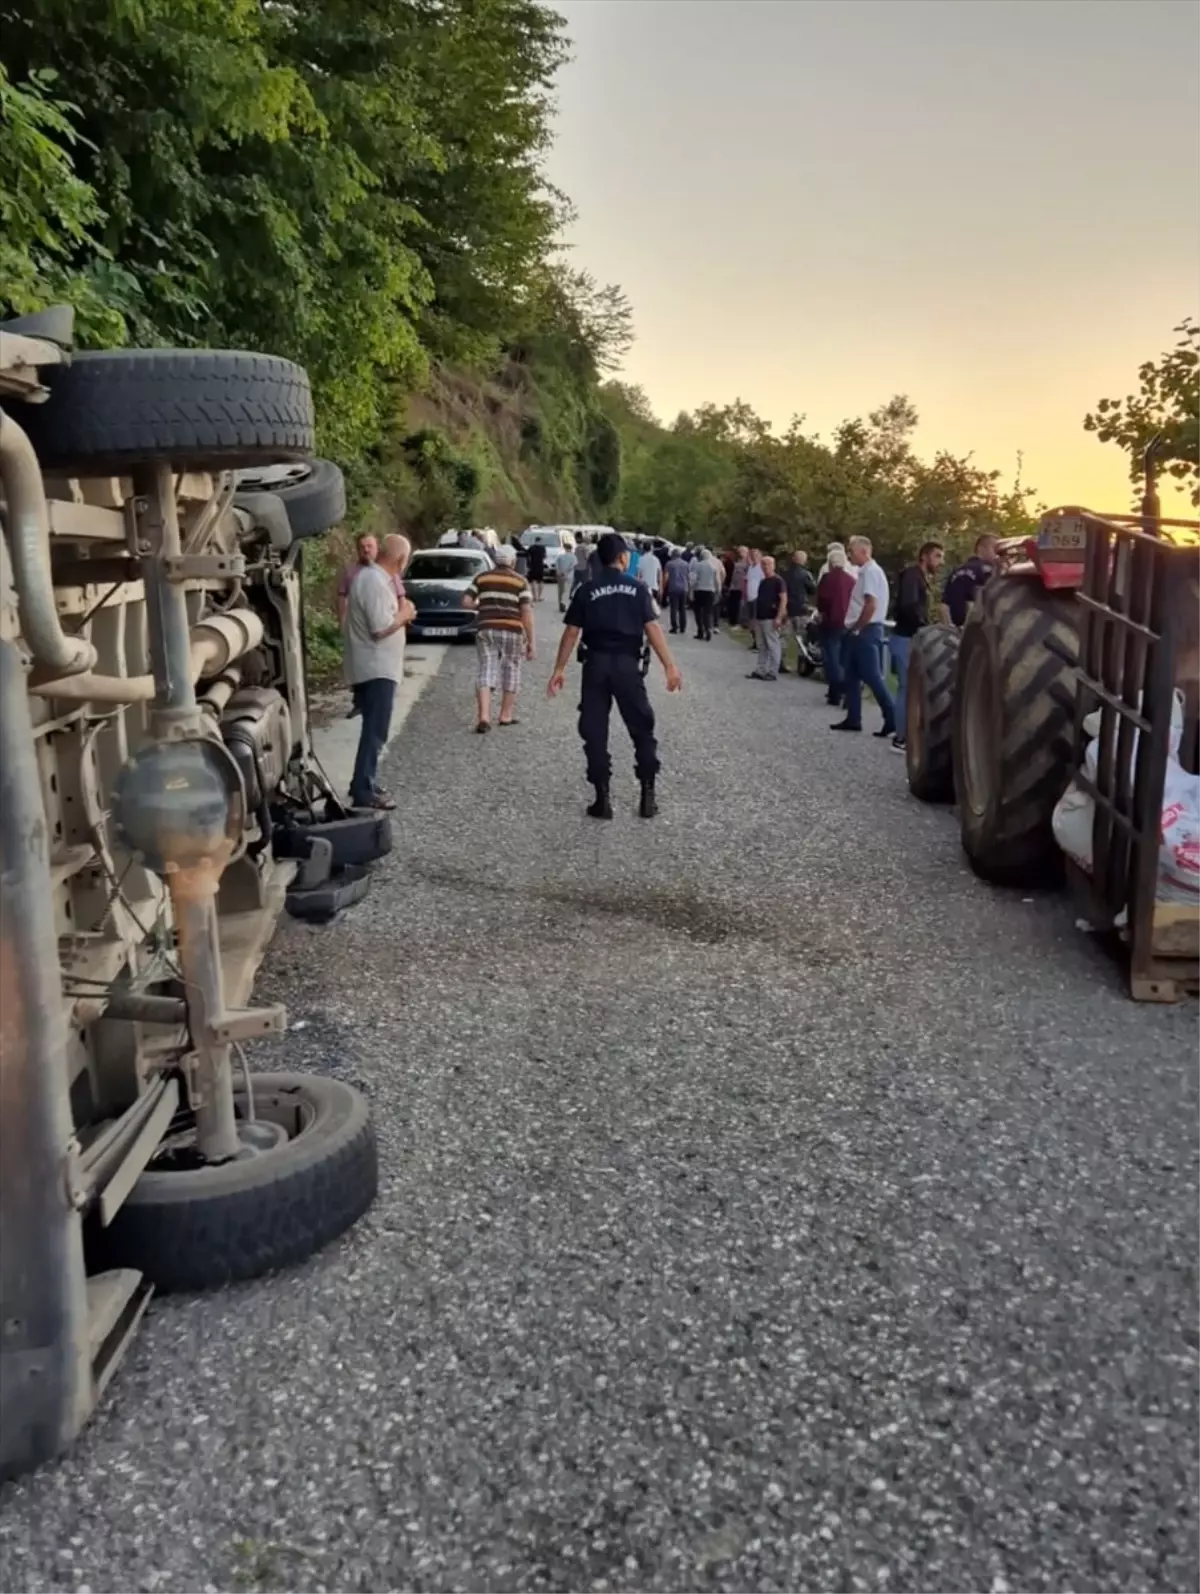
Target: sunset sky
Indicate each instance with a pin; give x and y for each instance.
(989, 205)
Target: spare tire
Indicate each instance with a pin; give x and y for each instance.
(312, 492)
(1013, 728)
(189, 1226)
(198, 409)
(928, 728)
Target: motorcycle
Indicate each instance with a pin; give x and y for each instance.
(808, 648)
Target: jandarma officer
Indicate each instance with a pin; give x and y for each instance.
(615, 616)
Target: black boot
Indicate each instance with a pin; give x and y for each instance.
(602, 807)
(648, 806)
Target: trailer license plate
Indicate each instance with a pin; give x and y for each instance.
(437, 630)
(1063, 534)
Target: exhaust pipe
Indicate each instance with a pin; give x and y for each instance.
(218, 639)
(29, 550)
(215, 642)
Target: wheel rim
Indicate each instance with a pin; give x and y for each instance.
(977, 760)
(279, 1118)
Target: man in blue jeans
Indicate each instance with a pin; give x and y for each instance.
(375, 620)
(913, 603)
(864, 642)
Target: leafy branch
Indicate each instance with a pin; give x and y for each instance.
(1166, 406)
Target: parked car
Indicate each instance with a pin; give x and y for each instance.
(436, 581)
(555, 539)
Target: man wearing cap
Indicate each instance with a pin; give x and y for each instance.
(614, 616)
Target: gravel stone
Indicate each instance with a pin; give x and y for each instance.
(765, 1203)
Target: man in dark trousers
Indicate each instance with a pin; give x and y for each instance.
(536, 553)
(913, 603)
(801, 589)
(375, 623)
(613, 616)
(677, 574)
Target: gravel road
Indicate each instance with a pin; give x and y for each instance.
(766, 1203)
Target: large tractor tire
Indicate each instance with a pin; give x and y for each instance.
(929, 713)
(198, 409)
(1012, 728)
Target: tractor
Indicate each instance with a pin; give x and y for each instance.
(1092, 617)
(160, 806)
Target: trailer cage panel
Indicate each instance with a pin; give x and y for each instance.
(1139, 628)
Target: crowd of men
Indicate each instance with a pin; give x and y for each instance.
(837, 616)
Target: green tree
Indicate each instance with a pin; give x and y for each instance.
(481, 74)
(587, 328)
(723, 474)
(676, 483)
(49, 216)
(735, 424)
(633, 400)
(354, 183)
(360, 184)
(1166, 405)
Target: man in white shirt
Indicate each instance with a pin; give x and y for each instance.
(564, 575)
(650, 571)
(863, 643)
(754, 575)
(375, 620)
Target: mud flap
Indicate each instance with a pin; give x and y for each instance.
(358, 837)
(321, 903)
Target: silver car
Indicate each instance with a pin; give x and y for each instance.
(436, 581)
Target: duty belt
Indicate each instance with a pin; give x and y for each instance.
(640, 653)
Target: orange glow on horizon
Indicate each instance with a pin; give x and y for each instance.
(811, 208)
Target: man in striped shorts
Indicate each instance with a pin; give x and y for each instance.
(505, 636)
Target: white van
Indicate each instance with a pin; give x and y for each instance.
(555, 539)
(578, 533)
(485, 534)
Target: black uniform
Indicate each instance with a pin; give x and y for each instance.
(612, 612)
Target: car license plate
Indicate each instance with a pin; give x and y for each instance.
(438, 630)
